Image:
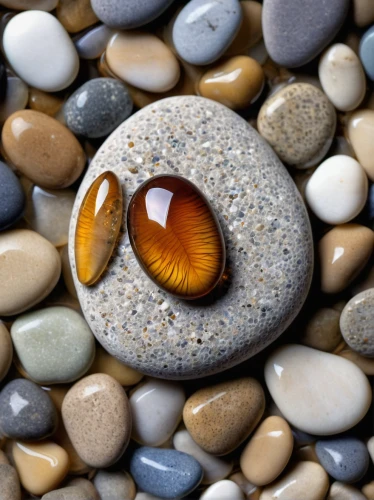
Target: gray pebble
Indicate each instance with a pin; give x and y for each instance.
(204, 29)
(114, 485)
(367, 52)
(12, 198)
(69, 493)
(10, 488)
(93, 42)
(98, 107)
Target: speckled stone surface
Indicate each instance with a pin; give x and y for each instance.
(10, 486)
(265, 226)
(357, 323)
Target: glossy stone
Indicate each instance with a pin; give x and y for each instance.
(75, 15)
(360, 129)
(165, 473)
(250, 31)
(92, 43)
(176, 236)
(114, 485)
(44, 102)
(10, 485)
(105, 363)
(12, 198)
(6, 351)
(321, 330)
(366, 52)
(98, 225)
(15, 97)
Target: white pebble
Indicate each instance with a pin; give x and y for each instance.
(223, 490)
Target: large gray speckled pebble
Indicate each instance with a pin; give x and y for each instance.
(98, 107)
(128, 14)
(12, 198)
(297, 31)
(265, 226)
(344, 458)
(204, 29)
(357, 323)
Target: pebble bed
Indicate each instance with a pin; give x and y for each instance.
(90, 408)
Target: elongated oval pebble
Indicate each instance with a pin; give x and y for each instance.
(98, 225)
(360, 130)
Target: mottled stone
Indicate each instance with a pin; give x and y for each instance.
(10, 486)
(266, 239)
(12, 198)
(114, 485)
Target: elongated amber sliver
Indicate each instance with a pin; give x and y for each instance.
(176, 236)
(98, 225)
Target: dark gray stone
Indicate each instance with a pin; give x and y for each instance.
(12, 198)
(204, 29)
(367, 52)
(98, 107)
(296, 31)
(26, 411)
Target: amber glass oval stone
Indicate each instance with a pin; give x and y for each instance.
(98, 225)
(176, 236)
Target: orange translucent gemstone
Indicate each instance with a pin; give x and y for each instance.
(98, 225)
(176, 237)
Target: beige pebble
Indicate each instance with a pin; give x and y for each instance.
(344, 251)
(322, 330)
(6, 351)
(368, 490)
(66, 271)
(75, 15)
(220, 417)
(86, 485)
(9, 483)
(363, 12)
(97, 418)
(341, 491)
(305, 480)
(306, 454)
(365, 282)
(250, 491)
(45, 102)
(268, 451)
(366, 364)
(236, 83)
(250, 31)
(143, 60)
(30, 266)
(40, 466)
(105, 363)
(42, 149)
(69, 493)
(3, 458)
(360, 131)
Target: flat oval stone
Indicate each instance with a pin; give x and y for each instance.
(54, 345)
(220, 417)
(12, 198)
(26, 253)
(314, 406)
(75, 15)
(26, 411)
(366, 52)
(296, 32)
(105, 363)
(97, 417)
(165, 473)
(98, 225)
(10, 485)
(269, 246)
(113, 485)
(46, 5)
(176, 236)
(222, 490)
(31, 43)
(97, 107)
(6, 351)
(42, 149)
(204, 29)
(341, 491)
(93, 42)
(360, 129)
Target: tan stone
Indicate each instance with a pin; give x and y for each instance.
(363, 12)
(250, 31)
(44, 102)
(344, 251)
(360, 131)
(368, 490)
(105, 363)
(76, 15)
(40, 466)
(6, 351)
(306, 454)
(268, 451)
(9, 483)
(66, 271)
(30, 266)
(42, 149)
(3, 458)
(222, 416)
(86, 485)
(341, 491)
(322, 330)
(70, 493)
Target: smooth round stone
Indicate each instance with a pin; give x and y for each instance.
(363, 12)
(300, 139)
(10, 485)
(26, 253)
(12, 198)
(357, 323)
(360, 130)
(15, 98)
(26, 411)
(214, 468)
(44, 102)
(143, 60)
(341, 491)
(321, 331)
(75, 15)
(156, 407)
(46, 5)
(367, 51)
(42, 149)
(306, 480)
(130, 14)
(204, 29)
(250, 31)
(296, 32)
(40, 51)
(165, 473)
(97, 107)
(86, 485)
(268, 451)
(114, 485)
(343, 253)
(6, 351)
(314, 406)
(269, 242)
(97, 418)
(105, 363)
(54, 345)
(69, 493)
(220, 417)
(93, 42)
(337, 191)
(344, 458)
(342, 77)
(223, 490)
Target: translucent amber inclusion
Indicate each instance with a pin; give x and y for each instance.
(98, 225)
(176, 236)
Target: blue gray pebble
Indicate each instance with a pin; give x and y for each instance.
(367, 52)
(26, 411)
(98, 107)
(12, 198)
(165, 473)
(345, 458)
(204, 29)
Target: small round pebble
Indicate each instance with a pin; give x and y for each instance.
(367, 52)
(12, 198)
(10, 485)
(204, 29)
(114, 485)
(222, 490)
(165, 473)
(6, 351)
(98, 107)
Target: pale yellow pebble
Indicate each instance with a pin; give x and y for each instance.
(368, 490)
(341, 491)
(360, 129)
(363, 12)
(250, 31)
(366, 364)
(66, 271)
(6, 351)
(105, 363)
